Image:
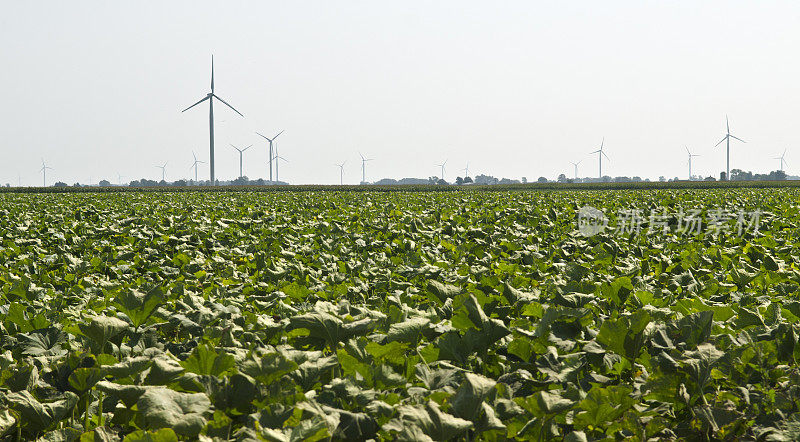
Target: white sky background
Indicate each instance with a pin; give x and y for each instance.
(515, 88)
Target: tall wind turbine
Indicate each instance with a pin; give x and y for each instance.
(241, 151)
(600, 155)
(271, 155)
(466, 171)
(44, 173)
(163, 171)
(278, 159)
(210, 97)
(442, 166)
(119, 179)
(576, 168)
(364, 167)
(783, 162)
(341, 172)
(727, 138)
(691, 155)
(196, 162)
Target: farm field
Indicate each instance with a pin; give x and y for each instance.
(466, 315)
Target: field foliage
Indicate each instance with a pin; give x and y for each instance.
(294, 316)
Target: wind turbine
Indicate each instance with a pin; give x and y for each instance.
(600, 155)
(363, 167)
(241, 151)
(341, 172)
(210, 97)
(727, 138)
(690, 161)
(576, 168)
(44, 173)
(783, 162)
(196, 162)
(442, 166)
(466, 171)
(119, 179)
(270, 151)
(163, 171)
(278, 159)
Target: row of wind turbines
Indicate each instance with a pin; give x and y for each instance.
(364, 161)
(274, 158)
(727, 139)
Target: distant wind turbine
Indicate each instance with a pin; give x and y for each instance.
(44, 173)
(364, 167)
(600, 155)
(210, 97)
(727, 138)
(783, 162)
(691, 155)
(466, 171)
(271, 155)
(442, 166)
(119, 179)
(576, 168)
(278, 159)
(241, 151)
(163, 171)
(341, 172)
(196, 162)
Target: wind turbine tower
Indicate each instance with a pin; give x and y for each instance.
(163, 171)
(727, 138)
(576, 168)
(691, 155)
(442, 166)
(196, 162)
(364, 167)
(241, 151)
(341, 172)
(210, 97)
(278, 159)
(783, 162)
(44, 173)
(271, 155)
(466, 171)
(600, 155)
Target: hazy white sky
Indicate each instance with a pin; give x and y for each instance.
(515, 88)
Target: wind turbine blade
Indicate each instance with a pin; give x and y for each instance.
(195, 156)
(226, 104)
(737, 138)
(687, 150)
(276, 136)
(720, 141)
(248, 147)
(212, 73)
(604, 154)
(602, 143)
(263, 136)
(727, 124)
(594, 152)
(204, 99)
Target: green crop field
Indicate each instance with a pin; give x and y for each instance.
(469, 315)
